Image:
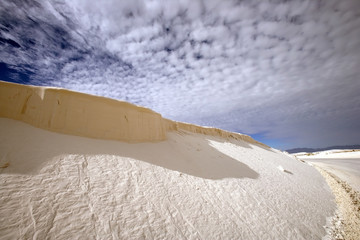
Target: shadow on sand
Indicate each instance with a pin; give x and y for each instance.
(27, 149)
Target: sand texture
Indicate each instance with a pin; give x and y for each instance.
(64, 176)
(190, 186)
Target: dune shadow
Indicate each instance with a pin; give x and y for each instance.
(27, 149)
(195, 156)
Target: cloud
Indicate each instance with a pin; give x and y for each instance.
(287, 69)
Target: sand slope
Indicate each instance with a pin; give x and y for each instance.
(191, 186)
(178, 181)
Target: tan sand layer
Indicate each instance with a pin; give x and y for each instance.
(85, 115)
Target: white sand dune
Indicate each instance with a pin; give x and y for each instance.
(178, 181)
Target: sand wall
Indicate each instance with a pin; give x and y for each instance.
(210, 131)
(85, 115)
(79, 114)
(216, 132)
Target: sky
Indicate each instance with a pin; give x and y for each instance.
(285, 72)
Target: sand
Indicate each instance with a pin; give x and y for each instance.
(85, 115)
(69, 112)
(347, 221)
(347, 171)
(190, 186)
(345, 164)
(77, 166)
(341, 169)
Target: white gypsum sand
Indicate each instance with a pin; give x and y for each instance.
(178, 181)
(187, 187)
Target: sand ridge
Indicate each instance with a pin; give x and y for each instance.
(64, 111)
(79, 114)
(179, 181)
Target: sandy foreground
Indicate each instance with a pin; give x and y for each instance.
(190, 186)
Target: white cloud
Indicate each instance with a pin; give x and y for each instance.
(285, 69)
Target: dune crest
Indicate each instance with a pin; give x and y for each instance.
(64, 111)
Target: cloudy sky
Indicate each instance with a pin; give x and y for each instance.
(285, 72)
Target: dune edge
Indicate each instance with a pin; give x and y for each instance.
(74, 113)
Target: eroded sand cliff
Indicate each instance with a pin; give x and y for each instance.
(85, 115)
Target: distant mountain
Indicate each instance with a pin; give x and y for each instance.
(296, 150)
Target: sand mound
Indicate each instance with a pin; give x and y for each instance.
(190, 186)
(179, 181)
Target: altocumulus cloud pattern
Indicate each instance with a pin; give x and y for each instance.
(284, 71)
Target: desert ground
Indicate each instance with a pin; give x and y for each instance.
(76, 166)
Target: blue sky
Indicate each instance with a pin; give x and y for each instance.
(284, 72)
